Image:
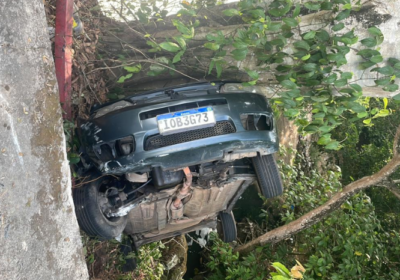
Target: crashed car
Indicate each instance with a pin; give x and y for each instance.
(175, 160)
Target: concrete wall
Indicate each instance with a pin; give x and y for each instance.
(39, 235)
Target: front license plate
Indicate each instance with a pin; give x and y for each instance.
(186, 120)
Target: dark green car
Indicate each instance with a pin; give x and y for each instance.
(178, 158)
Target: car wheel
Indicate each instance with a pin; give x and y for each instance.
(228, 232)
(87, 200)
(269, 179)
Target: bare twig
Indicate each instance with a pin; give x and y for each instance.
(145, 61)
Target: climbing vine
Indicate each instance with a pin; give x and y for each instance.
(307, 66)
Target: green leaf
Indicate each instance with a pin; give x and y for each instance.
(382, 82)
(123, 78)
(280, 277)
(326, 6)
(231, 12)
(281, 269)
(365, 65)
(343, 14)
(311, 128)
(396, 97)
(212, 63)
(391, 88)
(291, 113)
(171, 47)
(74, 158)
(356, 87)
(377, 59)
(362, 115)
(310, 66)
(368, 53)
(253, 74)
(347, 90)
(302, 45)
(296, 11)
(293, 93)
(387, 70)
(346, 6)
(322, 35)
(291, 22)
(133, 69)
(329, 80)
(187, 32)
(240, 45)
(382, 113)
(333, 145)
(274, 26)
(309, 35)
(239, 54)
(369, 42)
(325, 139)
(340, 82)
(277, 12)
(288, 84)
(325, 128)
(393, 60)
(347, 75)
(375, 31)
(218, 67)
(177, 57)
(180, 41)
(368, 121)
(321, 98)
(212, 46)
(312, 6)
(357, 108)
(338, 26)
(385, 103)
(306, 57)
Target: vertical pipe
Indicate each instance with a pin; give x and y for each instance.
(63, 53)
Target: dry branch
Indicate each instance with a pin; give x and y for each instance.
(380, 178)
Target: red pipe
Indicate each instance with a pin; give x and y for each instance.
(63, 53)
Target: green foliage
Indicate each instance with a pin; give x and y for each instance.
(148, 261)
(109, 254)
(349, 244)
(224, 264)
(309, 66)
(72, 143)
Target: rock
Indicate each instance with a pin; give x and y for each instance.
(175, 258)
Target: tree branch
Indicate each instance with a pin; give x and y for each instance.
(331, 205)
(145, 61)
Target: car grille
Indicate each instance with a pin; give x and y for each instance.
(159, 141)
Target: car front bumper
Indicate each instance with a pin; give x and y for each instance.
(135, 121)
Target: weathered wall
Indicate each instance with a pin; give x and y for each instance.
(39, 235)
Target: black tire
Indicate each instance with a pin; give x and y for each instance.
(269, 179)
(228, 227)
(90, 217)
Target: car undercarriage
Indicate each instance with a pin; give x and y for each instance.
(172, 161)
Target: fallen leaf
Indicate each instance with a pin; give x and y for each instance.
(297, 271)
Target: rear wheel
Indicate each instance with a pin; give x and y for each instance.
(228, 232)
(269, 179)
(89, 201)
